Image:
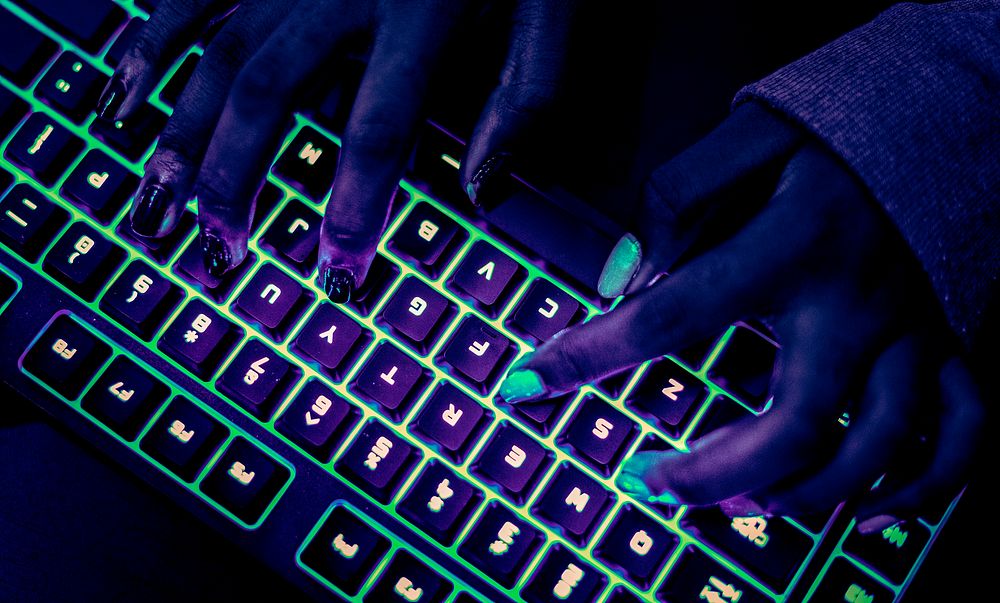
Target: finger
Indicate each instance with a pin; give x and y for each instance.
(171, 170)
(253, 118)
(874, 436)
(377, 143)
(737, 277)
(955, 444)
(171, 28)
(815, 371)
(730, 172)
(528, 85)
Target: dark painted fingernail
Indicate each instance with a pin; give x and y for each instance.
(877, 524)
(522, 385)
(112, 99)
(150, 210)
(338, 283)
(216, 254)
(487, 171)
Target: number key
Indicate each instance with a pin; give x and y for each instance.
(140, 298)
(82, 260)
(198, 338)
(439, 502)
(256, 378)
(316, 418)
(377, 461)
(500, 544)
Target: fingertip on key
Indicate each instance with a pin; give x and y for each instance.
(338, 284)
(149, 214)
(522, 385)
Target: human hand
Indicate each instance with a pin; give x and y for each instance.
(230, 118)
(813, 256)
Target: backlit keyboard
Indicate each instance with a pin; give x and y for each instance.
(366, 439)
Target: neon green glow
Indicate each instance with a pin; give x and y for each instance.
(450, 161)
(560, 454)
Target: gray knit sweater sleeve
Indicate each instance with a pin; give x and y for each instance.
(911, 102)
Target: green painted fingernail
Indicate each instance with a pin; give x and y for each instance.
(634, 485)
(664, 498)
(522, 385)
(620, 268)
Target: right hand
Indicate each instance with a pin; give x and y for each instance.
(759, 221)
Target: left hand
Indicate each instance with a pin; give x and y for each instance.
(815, 257)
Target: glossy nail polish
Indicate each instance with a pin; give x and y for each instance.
(877, 524)
(620, 267)
(216, 254)
(522, 385)
(631, 481)
(112, 99)
(487, 171)
(338, 283)
(150, 210)
(634, 485)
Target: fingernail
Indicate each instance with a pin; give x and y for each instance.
(741, 506)
(112, 99)
(338, 283)
(486, 171)
(521, 385)
(877, 524)
(622, 264)
(216, 254)
(632, 482)
(150, 210)
(634, 485)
